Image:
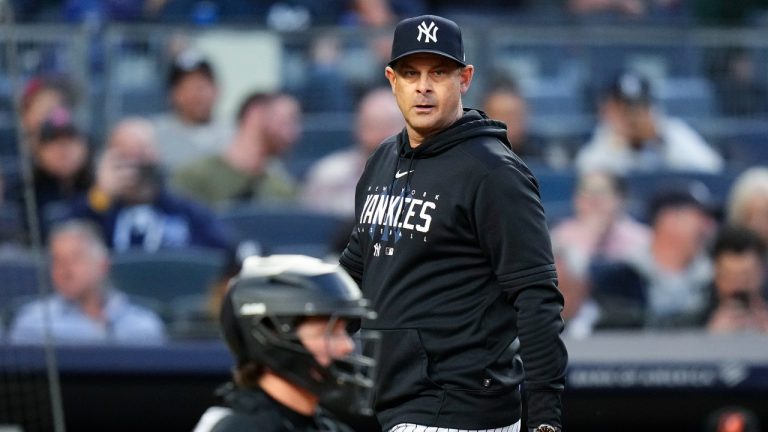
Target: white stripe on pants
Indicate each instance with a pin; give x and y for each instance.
(410, 427)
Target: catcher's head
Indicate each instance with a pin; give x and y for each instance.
(289, 315)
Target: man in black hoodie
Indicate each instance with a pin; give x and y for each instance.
(451, 246)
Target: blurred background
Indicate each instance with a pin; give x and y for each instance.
(148, 146)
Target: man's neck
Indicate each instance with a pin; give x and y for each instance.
(189, 121)
(92, 305)
(288, 394)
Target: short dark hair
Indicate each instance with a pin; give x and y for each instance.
(502, 81)
(188, 62)
(738, 239)
(681, 193)
(255, 98)
(617, 181)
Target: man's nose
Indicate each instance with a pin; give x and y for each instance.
(342, 346)
(425, 83)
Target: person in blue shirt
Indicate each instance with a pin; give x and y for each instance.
(132, 206)
(84, 308)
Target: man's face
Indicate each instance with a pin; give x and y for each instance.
(193, 97)
(428, 89)
(688, 225)
(283, 126)
(738, 273)
(511, 109)
(378, 119)
(597, 197)
(326, 340)
(77, 268)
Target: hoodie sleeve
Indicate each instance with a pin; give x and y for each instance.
(351, 258)
(513, 233)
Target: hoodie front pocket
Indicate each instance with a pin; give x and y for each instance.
(403, 367)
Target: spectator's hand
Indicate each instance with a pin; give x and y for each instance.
(729, 318)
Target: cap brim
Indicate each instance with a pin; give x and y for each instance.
(419, 51)
(64, 132)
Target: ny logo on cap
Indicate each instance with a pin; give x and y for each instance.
(428, 32)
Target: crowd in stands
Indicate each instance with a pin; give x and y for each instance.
(299, 14)
(688, 254)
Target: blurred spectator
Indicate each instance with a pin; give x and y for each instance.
(506, 104)
(250, 168)
(325, 88)
(331, 181)
(671, 276)
(40, 96)
(131, 204)
(481, 6)
(628, 8)
(189, 131)
(748, 201)
(739, 92)
(732, 419)
(85, 308)
(600, 229)
(646, 10)
(739, 258)
(633, 135)
(62, 169)
(373, 13)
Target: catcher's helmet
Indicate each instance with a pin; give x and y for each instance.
(270, 298)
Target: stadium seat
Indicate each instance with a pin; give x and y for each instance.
(166, 274)
(686, 97)
(549, 97)
(555, 185)
(189, 318)
(746, 149)
(284, 229)
(323, 134)
(620, 292)
(19, 279)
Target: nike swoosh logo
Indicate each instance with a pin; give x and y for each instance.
(401, 174)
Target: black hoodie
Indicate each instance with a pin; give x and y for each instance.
(451, 246)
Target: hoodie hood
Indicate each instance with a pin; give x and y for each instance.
(473, 123)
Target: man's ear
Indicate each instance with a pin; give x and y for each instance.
(391, 76)
(465, 78)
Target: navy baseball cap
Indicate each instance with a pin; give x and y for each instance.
(58, 124)
(631, 88)
(428, 34)
(682, 193)
(187, 62)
